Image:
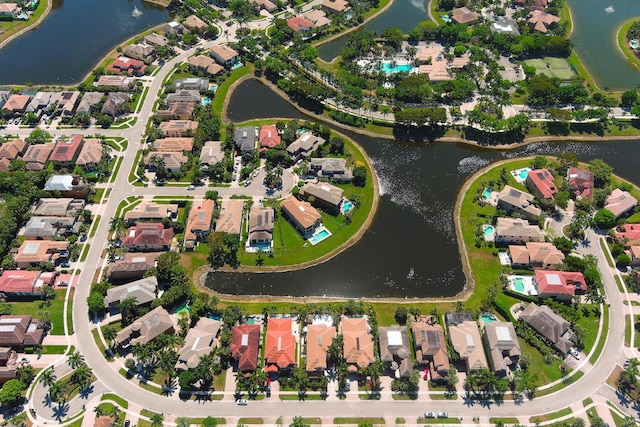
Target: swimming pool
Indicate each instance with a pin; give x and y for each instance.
(184, 308)
(518, 284)
(213, 87)
(488, 231)
(236, 65)
(319, 236)
(205, 101)
(523, 174)
(264, 247)
(398, 68)
(346, 206)
(487, 194)
(486, 318)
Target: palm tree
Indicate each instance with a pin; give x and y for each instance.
(157, 420)
(83, 375)
(75, 360)
(375, 370)
(48, 378)
(109, 333)
(128, 307)
(116, 225)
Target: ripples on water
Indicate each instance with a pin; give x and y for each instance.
(554, 149)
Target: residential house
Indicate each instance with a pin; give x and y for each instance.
(47, 227)
(515, 230)
(192, 83)
(19, 331)
(580, 182)
(90, 154)
(104, 421)
(319, 338)
(542, 21)
(395, 350)
(335, 6)
(264, 4)
(53, 206)
(317, 17)
(245, 138)
(24, 283)
(513, 200)
(8, 11)
(148, 237)
(332, 168)
(129, 66)
(629, 233)
(41, 101)
(13, 149)
(33, 252)
(146, 329)
(172, 161)
(531, 4)
(204, 64)
(156, 40)
(502, 346)
(245, 346)
(431, 61)
(195, 24)
(562, 285)
(230, 218)
(269, 136)
(116, 104)
(358, 345)
(325, 196)
(304, 217)
(299, 24)
(634, 254)
(37, 155)
(117, 82)
(550, 325)
(463, 15)
(150, 211)
(132, 267)
(178, 128)
(67, 185)
(211, 154)
(66, 152)
(620, 202)
(505, 26)
(67, 103)
(175, 28)
(5, 165)
(306, 144)
(183, 96)
(89, 100)
(178, 145)
(260, 225)
(224, 55)
(8, 364)
(143, 291)
(280, 345)
(199, 222)
(465, 338)
(540, 182)
(431, 348)
(177, 111)
(16, 105)
(141, 51)
(4, 96)
(535, 255)
(200, 340)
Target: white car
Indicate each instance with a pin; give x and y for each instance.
(241, 402)
(430, 415)
(443, 415)
(574, 353)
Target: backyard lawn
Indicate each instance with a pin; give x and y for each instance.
(55, 310)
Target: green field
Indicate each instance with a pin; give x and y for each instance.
(55, 310)
(553, 67)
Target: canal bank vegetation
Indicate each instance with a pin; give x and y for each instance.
(628, 37)
(11, 26)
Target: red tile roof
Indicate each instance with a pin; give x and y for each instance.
(245, 344)
(126, 64)
(298, 23)
(148, 233)
(542, 181)
(269, 136)
(280, 345)
(580, 181)
(18, 281)
(66, 151)
(629, 231)
(559, 282)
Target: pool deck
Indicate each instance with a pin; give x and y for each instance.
(516, 175)
(492, 236)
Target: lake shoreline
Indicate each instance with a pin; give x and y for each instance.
(31, 26)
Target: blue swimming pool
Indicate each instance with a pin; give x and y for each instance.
(205, 101)
(488, 231)
(398, 68)
(486, 194)
(523, 174)
(264, 247)
(346, 206)
(212, 87)
(486, 318)
(319, 236)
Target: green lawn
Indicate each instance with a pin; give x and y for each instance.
(55, 310)
(221, 91)
(345, 420)
(119, 400)
(600, 345)
(550, 416)
(590, 322)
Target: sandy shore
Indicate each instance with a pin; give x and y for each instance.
(28, 27)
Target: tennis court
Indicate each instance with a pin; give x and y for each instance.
(552, 67)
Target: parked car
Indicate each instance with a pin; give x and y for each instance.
(65, 265)
(241, 402)
(63, 283)
(574, 353)
(191, 187)
(430, 415)
(443, 415)
(25, 360)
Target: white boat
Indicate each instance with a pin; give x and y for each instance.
(609, 9)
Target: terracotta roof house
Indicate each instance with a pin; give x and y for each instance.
(304, 217)
(540, 182)
(280, 345)
(245, 346)
(535, 255)
(465, 338)
(335, 6)
(634, 252)
(177, 144)
(319, 338)
(118, 82)
(192, 83)
(53, 206)
(8, 10)
(88, 101)
(195, 24)
(67, 103)
(132, 267)
(299, 24)
(542, 21)
(204, 64)
(115, 104)
(183, 95)
(631, 232)
(156, 39)
(16, 105)
(580, 182)
(264, 4)
(146, 329)
(24, 283)
(32, 252)
(245, 138)
(47, 227)
(66, 152)
(37, 155)
(261, 221)
(431, 349)
(199, 223)
(199, 341)
(211, 154)
(513, 200)
(178, 128)
(105, 421)
(620, 202)
(395, 349)
(150, 211)
(515, 230)
(5, 165)
(90, 154)
(550, 325)
(333, 168)
(148, 237)
(8, 364)
(317, 17)
(66, 185)
(172, 161)
(269, 136)
(224, 55)
(174, 27)
(306, 144)
(126, 65)
(13, 149)
(559, 284)
(143, 290)
(358, 345)
(502, 346)
(177, 110)
(142, 51)
(230, 219)
(20, 331)
(325, 196)
(462, 15)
